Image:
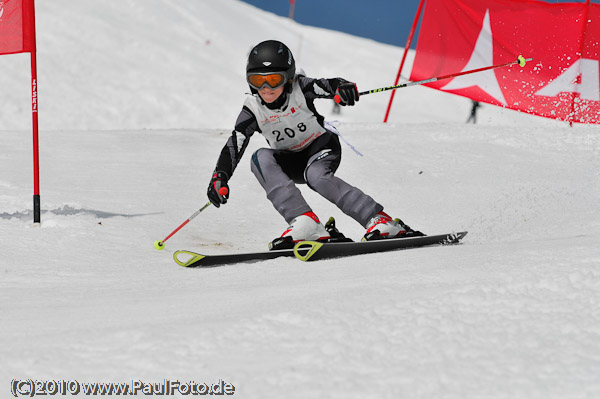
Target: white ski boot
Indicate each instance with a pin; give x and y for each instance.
(304, 227)
(382, 226)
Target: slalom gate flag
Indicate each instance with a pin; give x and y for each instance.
(17, 32)
(17, 35)
(562, 81)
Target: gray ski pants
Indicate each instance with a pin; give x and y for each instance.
(278, 171)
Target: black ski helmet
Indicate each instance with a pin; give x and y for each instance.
(271, 56)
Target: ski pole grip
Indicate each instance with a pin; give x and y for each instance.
(337, 99)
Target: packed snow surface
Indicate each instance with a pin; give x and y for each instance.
(137, 98)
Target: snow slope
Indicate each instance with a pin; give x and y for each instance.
(137, 99)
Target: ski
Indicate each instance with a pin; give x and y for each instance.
(312, 250)
(193, 259)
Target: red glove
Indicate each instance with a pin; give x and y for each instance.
(218, 190)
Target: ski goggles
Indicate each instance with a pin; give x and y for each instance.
(274, 80)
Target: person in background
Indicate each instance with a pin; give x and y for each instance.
(473, 116)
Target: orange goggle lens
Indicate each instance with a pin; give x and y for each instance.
(274, 80)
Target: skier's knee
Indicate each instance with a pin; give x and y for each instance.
(255, 162)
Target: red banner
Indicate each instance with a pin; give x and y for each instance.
(562, 81)
(16, 26)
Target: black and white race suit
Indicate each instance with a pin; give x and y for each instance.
(303, 149)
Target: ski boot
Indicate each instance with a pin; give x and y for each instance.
(305, 227)
(382, 226)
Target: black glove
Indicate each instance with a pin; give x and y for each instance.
(218, 190)
(347, 93)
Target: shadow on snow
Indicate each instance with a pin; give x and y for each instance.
(71, 211)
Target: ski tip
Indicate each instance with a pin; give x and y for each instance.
(187, 258)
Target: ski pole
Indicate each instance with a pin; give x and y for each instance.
(520, 60)
(160, 245)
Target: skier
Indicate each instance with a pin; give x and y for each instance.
(304, 149)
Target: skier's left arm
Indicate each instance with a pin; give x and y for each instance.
(330, 88)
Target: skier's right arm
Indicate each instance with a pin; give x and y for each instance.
(231, 154)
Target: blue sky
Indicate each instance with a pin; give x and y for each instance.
(387, 21)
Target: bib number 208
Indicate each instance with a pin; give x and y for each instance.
(289, 132)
